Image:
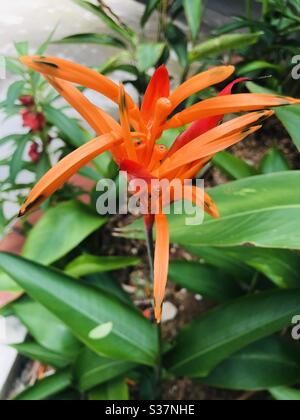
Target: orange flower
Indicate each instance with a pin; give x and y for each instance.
(133, 141)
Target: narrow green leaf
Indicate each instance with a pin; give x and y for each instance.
(91, 264)
(178, 42)
(46, 388)
(16, 163)
(7, 284)
(73, 223)
(92, 38)
(273, 161)
(22, 47)
(233, 166)
(267, 363)
(109, 18)
(69, 127)
(150, 6)
(36, 352)
(223, 43)
(202, 279)
(46, 329)
(256, 66)
(148, 55)
(83, 308)
(91, 370)
(223, 331)
(194, 12)
(13, 93)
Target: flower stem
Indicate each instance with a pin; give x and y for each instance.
(158, 367)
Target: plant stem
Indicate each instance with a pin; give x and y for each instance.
(249, 9)
(158, 367)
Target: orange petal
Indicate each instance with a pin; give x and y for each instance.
(161, 263)
(64, 169)
(229, 104)
(158, 87)
(75, 73)
(99, 120)
(199, 82)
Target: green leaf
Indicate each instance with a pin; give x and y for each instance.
(83, 308)
(233, 166)
(7, 284)
(43, 47)
(256, 66)
(46, 388)
(206, 281)
(73, 222)
(148, 55)
(22, 47)
(14, 66)
(223, 43)
(228, 328)
(91, 264)
(283, 393)
(92, 38)
(91, 370)
(178, 42)
(68, 126)
(267, 363)
(34, 351)
(110, 19)
(46, 329)
(13, 93)
(194, 12)
(16, 163)
(116, 390)
(261, 211)
(150, 6)
(288, 115)
(273, 161)
(281, 266)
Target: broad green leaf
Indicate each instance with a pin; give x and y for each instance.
(46, 329)
(109, 18)
(233, 166)
(150, 6)
(148, 55)
(223, 43)
(283, 393)
(223, 331)
(256, 66)
(46, 388)
(281, 266)
(68, 126)
(273, 161)
(267, 363)
(60, 230)
(194, 11)
(261, 211)
(83, 308)
(178, 42)
(116, 390)
(34, 351)
(92, 38)
(16, 164)
(288, 115)
(207, 281)
(91, 264)
(91, 370)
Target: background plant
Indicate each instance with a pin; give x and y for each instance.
(245, 265)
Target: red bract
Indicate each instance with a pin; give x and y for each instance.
(34, 153)
(27, 100)
(33, 120)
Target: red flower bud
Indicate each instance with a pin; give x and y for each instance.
(34, 153)
(27, 100)
(34, 120)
